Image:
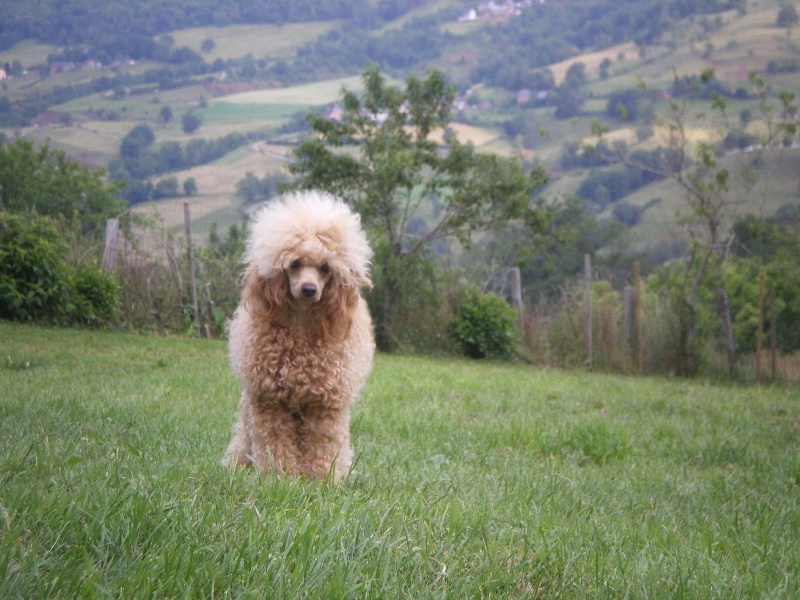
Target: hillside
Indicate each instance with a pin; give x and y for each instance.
(257, 73)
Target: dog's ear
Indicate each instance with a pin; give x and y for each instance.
(361, 280)
(265, 296)
(334, 312)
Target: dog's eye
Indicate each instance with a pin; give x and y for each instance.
(325, 269)
(294, 265)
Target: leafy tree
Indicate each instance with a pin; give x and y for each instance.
(136, 141)
(768, 246)
(251, 189)
(170, 157)
(627, 214)
(46, 182)
(705, 182)
(165, 114)
(191, 122)
(787, 16)
(571, 94)
(190, 186)
(166, 188)
(399, 171)
(604, 67)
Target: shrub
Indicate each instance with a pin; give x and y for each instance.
(97, 296)
(37, 283)
(34, 277)
(485, 326)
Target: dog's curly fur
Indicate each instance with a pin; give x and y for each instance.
(301, 340)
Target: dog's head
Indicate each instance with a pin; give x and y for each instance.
(306, 253)
(307, 279)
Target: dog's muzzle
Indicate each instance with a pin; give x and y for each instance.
(309, 290)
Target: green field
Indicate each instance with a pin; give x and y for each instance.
(260, 41)
(471, 480)
(311, 94)
(28, 52)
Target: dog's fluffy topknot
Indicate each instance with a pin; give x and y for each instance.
(313, 224)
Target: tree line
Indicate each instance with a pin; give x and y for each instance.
(140, 160)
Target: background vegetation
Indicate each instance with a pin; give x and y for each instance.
(199, 106)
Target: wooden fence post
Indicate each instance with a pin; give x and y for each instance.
(637, 316)
(516, 292)
(111, 245)
(773, 336)
(192, 286)
(628, 294)
(730, 343)
(587, 282)
(760, 327)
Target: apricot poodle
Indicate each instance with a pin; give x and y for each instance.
(301, 340)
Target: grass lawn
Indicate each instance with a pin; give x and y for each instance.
(471, 480)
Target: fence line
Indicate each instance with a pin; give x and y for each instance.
(161, 273)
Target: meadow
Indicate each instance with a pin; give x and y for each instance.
(237, 41)
(471, 479)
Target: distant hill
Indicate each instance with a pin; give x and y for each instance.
(531, 76)
(515, 37)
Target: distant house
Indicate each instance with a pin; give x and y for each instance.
(491, 10)
(523, 96)
(59, 67)
(332, 113)
(3, 75)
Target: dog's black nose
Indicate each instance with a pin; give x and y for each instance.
(308, 290)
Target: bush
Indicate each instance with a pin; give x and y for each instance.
(37, 284)
(485, 326)
(97, 296)
(34, 277)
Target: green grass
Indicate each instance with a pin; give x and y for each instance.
(237, 41)
(27, 52)
(471, 480)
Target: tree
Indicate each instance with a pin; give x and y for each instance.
(46, 182)
(704, 179)
(166, 188)
(787, 17)
(571, 94)
(136, 141)
(251, 189)
(165, 114)
(191, 122)
(190, 186)
(408, 163)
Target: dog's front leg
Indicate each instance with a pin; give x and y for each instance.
(273, 441)
(238, 451)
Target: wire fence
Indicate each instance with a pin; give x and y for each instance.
(170, 282)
